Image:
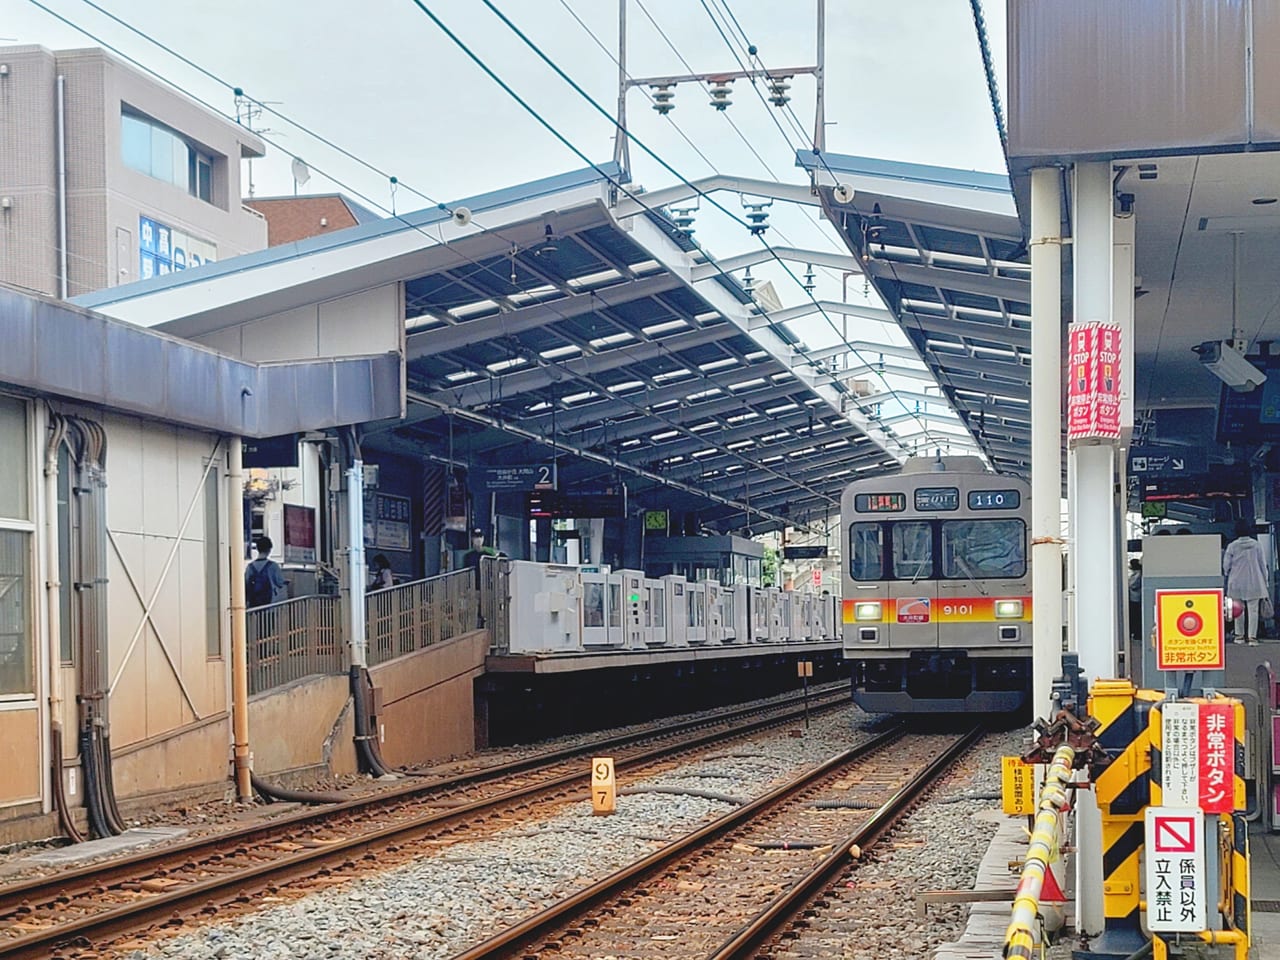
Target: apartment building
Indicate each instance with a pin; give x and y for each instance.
(108, 176)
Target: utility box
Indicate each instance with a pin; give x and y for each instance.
(1175, 563)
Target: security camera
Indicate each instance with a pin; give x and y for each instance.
(1225, 360)
(461, 216)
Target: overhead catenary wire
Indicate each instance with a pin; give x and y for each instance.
(636, 197)
(480, 267)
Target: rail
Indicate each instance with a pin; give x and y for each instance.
(292, 639)
(413, 616)
(1020, 937)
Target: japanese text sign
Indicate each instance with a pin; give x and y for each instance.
(1017, 786)
(1197, 768)
(1093, 382)
(1176, 883)
(1189, 630)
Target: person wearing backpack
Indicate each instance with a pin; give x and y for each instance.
(263, 581)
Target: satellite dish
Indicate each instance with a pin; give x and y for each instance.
(301, 172)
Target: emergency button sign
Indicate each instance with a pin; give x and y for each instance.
(1189, 630)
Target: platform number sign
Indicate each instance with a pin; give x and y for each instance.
(604, 789)
(1176, 882)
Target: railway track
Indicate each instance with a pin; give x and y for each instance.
(100, 902)
(730, 886)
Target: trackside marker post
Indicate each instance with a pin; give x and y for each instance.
(604, 787)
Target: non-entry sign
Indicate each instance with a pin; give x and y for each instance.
(1189, 630)
(1176, 882)
(1197, 768)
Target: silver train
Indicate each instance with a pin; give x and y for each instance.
(937, 589)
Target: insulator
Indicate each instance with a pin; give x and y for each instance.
(664, 96)
(757, 219)
(720, 91)
(778, 88)
(683, 217)
(749, 282)
(809, 285)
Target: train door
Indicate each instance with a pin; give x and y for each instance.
(913, 611)
(613, 604)
(595, 610)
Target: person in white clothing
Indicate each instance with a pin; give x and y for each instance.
(1246, 573)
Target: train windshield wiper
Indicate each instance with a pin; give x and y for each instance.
(968, 572)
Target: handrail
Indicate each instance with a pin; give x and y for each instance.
(293, 639)
(415, 615)
(1020, 937)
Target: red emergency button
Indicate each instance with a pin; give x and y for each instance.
(1190, 623)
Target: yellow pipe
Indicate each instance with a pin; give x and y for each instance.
(1019, 938)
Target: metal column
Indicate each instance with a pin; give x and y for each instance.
(356, 577)
(1091, 522)
(1046, 431)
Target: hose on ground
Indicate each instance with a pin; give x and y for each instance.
(270, 793)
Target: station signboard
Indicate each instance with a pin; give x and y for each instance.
(1189, 630)
(517, 477)
(1164, 461)
(1176, 881)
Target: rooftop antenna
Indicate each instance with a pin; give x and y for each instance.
(248, 112)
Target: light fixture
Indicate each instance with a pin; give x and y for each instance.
(1263, 201)
(1008, 609)
(867, 610)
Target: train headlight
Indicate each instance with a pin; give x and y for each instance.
(1008, 609)
(867, 610)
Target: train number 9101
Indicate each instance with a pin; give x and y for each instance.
(957, 609)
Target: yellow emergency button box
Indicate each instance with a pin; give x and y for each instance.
(1017, 786)
(604, 788)
(1189, 630)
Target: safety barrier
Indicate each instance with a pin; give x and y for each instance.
(1020, 937)
(495, 601)
(293, 639)
(400, 620)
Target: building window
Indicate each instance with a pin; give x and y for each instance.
(157, 151)
(212, 566)
(17, 654)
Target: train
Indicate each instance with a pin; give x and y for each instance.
(936, 589)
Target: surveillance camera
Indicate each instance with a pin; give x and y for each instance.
(1225, 360)
(461, 216)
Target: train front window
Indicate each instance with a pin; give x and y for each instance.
(912, 551)
(866, 551)
(982, 549)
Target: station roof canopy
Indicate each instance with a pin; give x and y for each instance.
(944, 249)
(553, 320)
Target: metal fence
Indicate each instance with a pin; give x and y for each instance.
(400, 620)
(495, 601)
(292, 639)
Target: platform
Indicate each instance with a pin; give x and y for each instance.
(574, 661)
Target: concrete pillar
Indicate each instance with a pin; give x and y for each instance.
(1092, 525)
(356, 577)
(1046, 432)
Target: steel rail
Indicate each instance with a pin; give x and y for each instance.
(17, 899)
(509, 942)
(775, 917)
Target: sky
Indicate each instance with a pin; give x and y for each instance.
(380, 79)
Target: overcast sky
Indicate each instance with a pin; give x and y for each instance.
(904, 82)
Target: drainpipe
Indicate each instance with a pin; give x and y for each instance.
(356, 640)
(62, 189)
(239, 646)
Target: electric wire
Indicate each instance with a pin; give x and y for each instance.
(638, 198)
(480, 266)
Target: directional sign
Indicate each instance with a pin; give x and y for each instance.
(1156, 461)
(1189, 630)
(1176, 881)
(524, 476)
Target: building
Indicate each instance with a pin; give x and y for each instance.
(108, 176)
(290, 219)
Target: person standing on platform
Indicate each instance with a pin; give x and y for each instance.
(472, 559)
(263, 581)
(1135, 599)
(381, 573)
(1246, 574)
